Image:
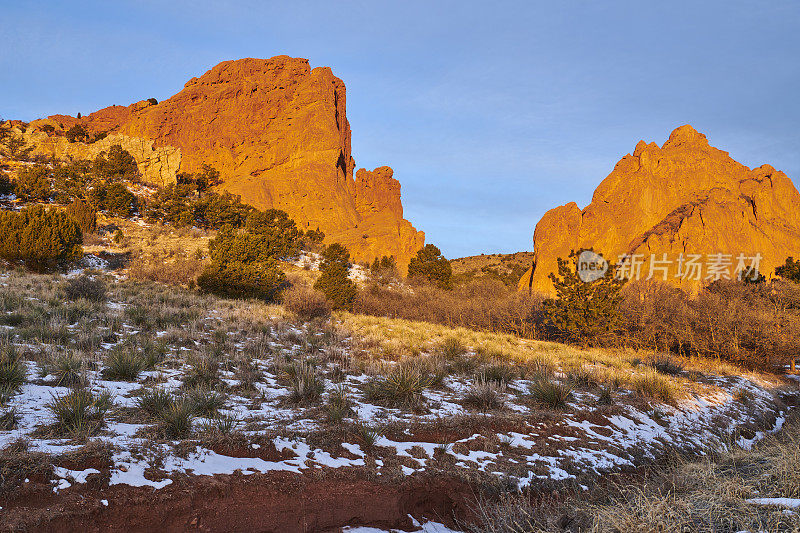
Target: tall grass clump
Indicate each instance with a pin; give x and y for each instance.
(12, 370)
(499, 373)
(69, 369)
(85, 287)
(8, 419)
(153, 401)
(339, 405)
(305, 302)
(205, 402)
(550, 394)
(665, 364)
(123, 365)
(452, 347)
(305, 382)
(401, 387)
(203, 371)
(79, 412)
(177, 419)
(655, 386)
(485, 394)
(219, 425)
(247, 372)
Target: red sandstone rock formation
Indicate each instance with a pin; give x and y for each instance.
(685, 197)
(278, 133)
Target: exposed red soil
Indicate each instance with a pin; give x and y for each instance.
(278, 502)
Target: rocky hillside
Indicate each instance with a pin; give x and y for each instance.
(278, 133)
(685, 197)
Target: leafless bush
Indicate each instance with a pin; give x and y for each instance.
(305, 302)
(482, 304)
(87, 288)
(179, 271)
(753, 325)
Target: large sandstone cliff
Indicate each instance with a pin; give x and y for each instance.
(685, 197)
(278, 133)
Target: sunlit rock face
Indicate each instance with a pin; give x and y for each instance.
(277, 131)
(684, 198)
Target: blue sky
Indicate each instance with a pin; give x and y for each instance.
(490, 113)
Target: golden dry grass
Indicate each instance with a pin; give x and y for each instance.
(394, 339)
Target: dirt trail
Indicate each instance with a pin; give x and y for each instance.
(278, 502)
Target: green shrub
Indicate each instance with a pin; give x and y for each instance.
(279, 232)
(119, 201)
(584, 311)
(790, 270)
(117, 164)
(385, 266)
(334, 282)
(33, 184)
(114, 198)
(40, 239)
(429, 264)
(84, 215)
(14, 146)
(337, 287)
(242, 280)
(77, 133)
(6, 186)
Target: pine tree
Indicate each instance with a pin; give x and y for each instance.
(585, 312)
(431, 265)
(334, 281)
(789, 270)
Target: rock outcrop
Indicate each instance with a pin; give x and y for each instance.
(683, 199)
(278, 133)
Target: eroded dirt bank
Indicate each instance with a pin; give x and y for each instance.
(279, 502)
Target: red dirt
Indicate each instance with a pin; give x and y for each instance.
(278, 502)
